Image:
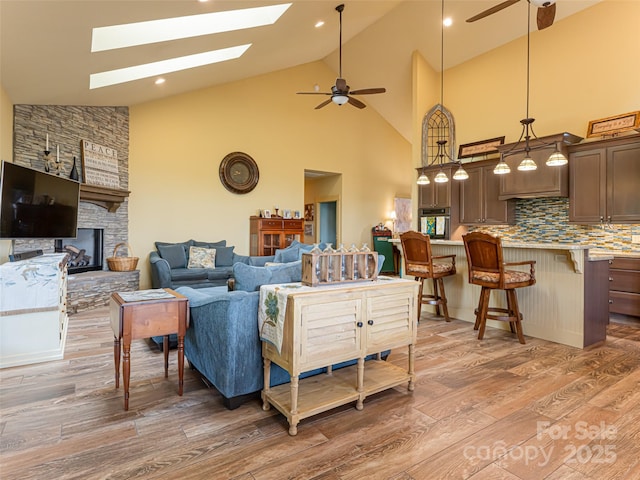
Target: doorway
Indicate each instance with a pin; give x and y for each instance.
(327, 222)
(322, 192)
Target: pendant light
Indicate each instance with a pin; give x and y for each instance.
(442, 154)
(527, 163)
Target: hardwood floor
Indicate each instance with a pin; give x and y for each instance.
(491, 409)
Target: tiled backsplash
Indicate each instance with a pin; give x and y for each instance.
(547, 220)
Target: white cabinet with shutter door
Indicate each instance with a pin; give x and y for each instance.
(328, 325)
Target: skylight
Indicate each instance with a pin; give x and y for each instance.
(154, 31)
(121, 75)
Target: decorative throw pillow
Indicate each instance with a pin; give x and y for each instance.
(249, 278)
(221, 243)
(174, 254)
(224, 256)
(286, 272)
(286, 255)
(200, 257)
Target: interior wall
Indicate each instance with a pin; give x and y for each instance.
(177, 144)
(6, 151)
(583, 68)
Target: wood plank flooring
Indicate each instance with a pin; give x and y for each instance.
(490, 409)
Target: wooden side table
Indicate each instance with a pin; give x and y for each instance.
(143, 314)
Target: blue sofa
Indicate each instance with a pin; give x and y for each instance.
(222, 341)
(170, 263)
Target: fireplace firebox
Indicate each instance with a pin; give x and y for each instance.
(85, 251)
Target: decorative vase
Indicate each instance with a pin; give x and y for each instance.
(74, 171)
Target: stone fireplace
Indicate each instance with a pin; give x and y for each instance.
(85, 251)
(101, 209)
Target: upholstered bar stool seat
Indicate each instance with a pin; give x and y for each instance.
(421, 264)
(488, 270)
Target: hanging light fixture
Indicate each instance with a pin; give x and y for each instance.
(442, 156)
(527, 163)
(423, 179)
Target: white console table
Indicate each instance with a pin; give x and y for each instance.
(330, 324)
(33, 313)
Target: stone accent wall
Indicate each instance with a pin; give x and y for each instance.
(93, 289)
(67, 126)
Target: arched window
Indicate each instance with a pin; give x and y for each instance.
(438, 124)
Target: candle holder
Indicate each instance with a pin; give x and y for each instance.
(52, 165)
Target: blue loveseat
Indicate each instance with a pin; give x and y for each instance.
(222, 342)
(171, 265)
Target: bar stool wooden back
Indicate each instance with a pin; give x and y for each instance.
(487, 269)
(419, 263)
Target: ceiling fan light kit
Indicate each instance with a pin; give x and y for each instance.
(340, 91)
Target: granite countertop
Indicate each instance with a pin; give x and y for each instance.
(540, 246)
(597, 252)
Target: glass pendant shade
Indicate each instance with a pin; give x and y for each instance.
(461, 174)
(527, 164)
(423, 179)
(501, 168)
(556, 159)
(339, 99)
(441, 177)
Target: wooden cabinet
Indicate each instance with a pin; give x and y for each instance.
(624, 286)
(479, 202)
(604, 181)
(266, 235)
(545, 181)
(438, 195)
(326, 326)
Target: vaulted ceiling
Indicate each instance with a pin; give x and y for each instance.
(46, 57)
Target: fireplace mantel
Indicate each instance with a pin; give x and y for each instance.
(109, 198)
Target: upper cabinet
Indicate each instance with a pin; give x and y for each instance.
(479, 202)
(604, 182)
(438, 195)
(545, 181)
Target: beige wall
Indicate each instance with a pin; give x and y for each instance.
(585, 67)
(176, 146)
(6, 151)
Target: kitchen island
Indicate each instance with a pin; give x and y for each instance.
(569, 303)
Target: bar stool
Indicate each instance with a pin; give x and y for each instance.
(488, 269)
(419, 263)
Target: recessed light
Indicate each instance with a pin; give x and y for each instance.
(128, 74)
(447, 22)
(160, 81)
(319, 23)
(154, 31)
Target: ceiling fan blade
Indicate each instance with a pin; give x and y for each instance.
(313, 93)
(546, 16)
(492, 10)
(356, 103)
(341, 84)
(368, 91)
(323, 104)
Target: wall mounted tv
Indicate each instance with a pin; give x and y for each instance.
(36, 204)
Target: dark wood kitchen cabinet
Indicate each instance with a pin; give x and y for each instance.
(438, 195)
(624, 286)
(604, 181)
(479, 202)
(545, 181)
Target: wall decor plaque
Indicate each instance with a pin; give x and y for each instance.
(99, 165)
(614, 125)
(483, 147)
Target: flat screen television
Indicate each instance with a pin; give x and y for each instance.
(36, 204)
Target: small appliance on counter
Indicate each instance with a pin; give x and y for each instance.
(434, 222)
